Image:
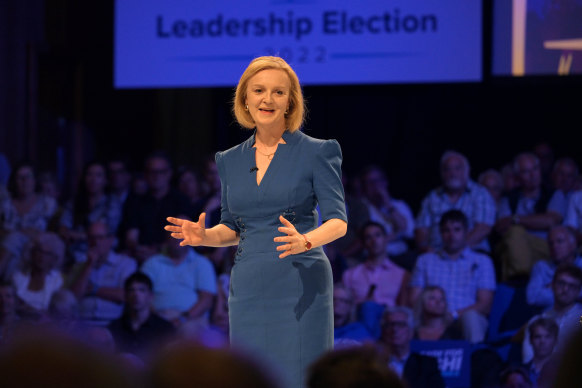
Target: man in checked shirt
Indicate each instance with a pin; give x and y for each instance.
(467, 277)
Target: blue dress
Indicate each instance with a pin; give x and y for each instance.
(281, 309)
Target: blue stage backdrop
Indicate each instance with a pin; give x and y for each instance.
(184, 43)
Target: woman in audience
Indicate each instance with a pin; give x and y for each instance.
(48, 185)
(432, 317)
(91, 203)
(22, 215)
(39, 277)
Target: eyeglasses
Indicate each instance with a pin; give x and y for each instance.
(567, 285)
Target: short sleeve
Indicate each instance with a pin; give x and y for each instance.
(558, 203)
(573, 212)
(128, 268)
(486, 280)
(205, 275)
(149, 268)
(537, 291)
(484, 206)
(418, 279)
(225, 216)
(327, 181)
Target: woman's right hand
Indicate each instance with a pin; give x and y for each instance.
(192, 233)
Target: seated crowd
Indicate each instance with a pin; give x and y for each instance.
(100, 267)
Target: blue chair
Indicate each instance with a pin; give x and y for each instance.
(501, 301)
(497, 339)
(509, 312)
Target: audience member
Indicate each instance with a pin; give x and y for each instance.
(543, 336)
(8, 317)
(98, 281)
(346, 328)
(433, 321)
(510, 181)
(191, 365)
(349, 247)
(393, 214)
(91, 203)
(459, 192)
(4, 170)
(467, 277)
(515, 377)
(27, 209)
(145, 217)
(24, 213)
(56, 360)
(184, 286)
(211, 199)
(63, 311)
(353, 367)
(573, 218)
(338, 260)
(188, 182)
(48, 185)
(525, 216)
(210, 205)
(119, 178)
(566, 285)
(562, 244)
(493, 181)
(377, 279)
(546, 156)
(415, 369)
(99, 338)
(140, 331)
(564, 175)
(39, 277)
(139, 184)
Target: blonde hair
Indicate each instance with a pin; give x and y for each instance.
(419, 306)
(296, 112)
(50, 242)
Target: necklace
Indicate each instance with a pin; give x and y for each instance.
(269, 156)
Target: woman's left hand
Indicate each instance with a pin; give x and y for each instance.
(294, 241)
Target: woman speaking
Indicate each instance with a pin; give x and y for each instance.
(280, 301)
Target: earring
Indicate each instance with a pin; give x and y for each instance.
(287, 111)
(246, 108)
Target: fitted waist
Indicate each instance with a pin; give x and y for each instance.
(257, 234)
(259, 240)
(262, 240)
